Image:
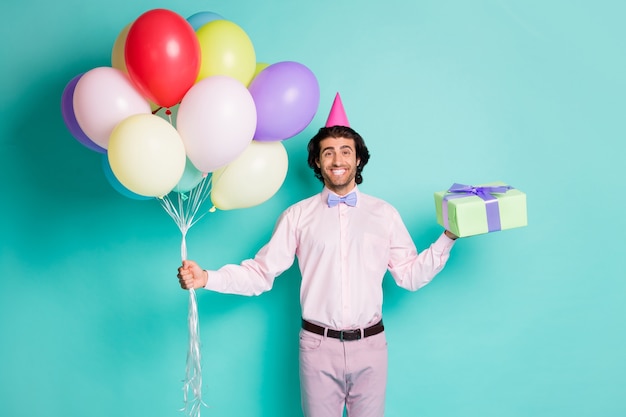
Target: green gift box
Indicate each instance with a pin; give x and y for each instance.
(467, 210)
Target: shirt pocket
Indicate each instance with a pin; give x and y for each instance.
(375, 253)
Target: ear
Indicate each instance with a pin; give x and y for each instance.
(317, 162)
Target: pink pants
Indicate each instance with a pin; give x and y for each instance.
(334, 374)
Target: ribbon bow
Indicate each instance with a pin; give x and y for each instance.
(349, 199)
(491, 202)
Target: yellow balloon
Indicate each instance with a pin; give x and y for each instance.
(251, 179)
(118, 60)
(260, 66)
(226, 50)
(146, 155)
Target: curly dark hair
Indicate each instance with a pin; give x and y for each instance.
(362, 153)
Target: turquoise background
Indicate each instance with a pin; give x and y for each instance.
(526, 322)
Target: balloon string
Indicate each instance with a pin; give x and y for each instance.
(183, 246)
(184, 211)
(192, 385)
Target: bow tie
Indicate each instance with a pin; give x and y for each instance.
(349, 199)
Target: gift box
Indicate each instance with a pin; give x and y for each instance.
(468, 210)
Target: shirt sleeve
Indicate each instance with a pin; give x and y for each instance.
(412, 270)
(255, 276)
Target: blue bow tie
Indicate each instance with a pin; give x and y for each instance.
(334, 199)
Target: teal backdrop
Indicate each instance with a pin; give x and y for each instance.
(529, 322)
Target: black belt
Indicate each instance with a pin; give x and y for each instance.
(343, 334)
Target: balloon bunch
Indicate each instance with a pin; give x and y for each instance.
(231, 113)
(225, 114)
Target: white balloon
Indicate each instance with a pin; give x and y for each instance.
(103, 97)
(251, 179)
(216, 120)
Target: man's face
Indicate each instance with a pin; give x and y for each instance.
(337, 162)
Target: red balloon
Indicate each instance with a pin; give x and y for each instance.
(162, 56)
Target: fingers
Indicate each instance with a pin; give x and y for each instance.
(186, 281)
(185, 285)
(185, 277)
(187, 274)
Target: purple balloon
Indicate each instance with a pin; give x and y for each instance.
(67, 109)
(286, 95)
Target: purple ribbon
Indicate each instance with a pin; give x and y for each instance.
(491, 202)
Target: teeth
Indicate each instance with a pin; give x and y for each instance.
(338, 171)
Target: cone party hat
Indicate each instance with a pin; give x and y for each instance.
(337, 116)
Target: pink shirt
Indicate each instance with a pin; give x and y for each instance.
(343, 253)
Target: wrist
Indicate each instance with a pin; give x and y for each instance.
(206, 277)
(450, 235)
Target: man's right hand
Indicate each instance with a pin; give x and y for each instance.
(190, 275)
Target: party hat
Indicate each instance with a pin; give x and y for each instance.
(337, 116)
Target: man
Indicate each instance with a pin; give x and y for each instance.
(345, 242)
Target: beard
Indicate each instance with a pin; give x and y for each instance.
(339, 183)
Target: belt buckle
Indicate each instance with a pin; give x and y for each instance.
(352, 335)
